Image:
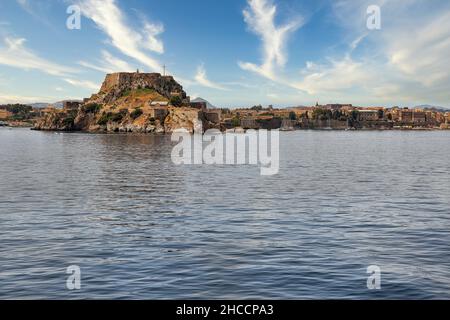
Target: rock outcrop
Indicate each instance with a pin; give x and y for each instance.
(186, 118)
(131, 102)
(56, 121)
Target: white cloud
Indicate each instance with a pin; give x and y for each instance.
(133, 43)
(423, 52)
(152, 31)
(355, 43)
(203, 80)
(409, 55)
(26, 5)
(83, 84)
(338, 75)
(15, 54)
(108, 64)
(260, 18)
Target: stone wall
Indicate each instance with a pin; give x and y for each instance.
(116, 84)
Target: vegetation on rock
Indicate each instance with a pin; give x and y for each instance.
(176, 101)
(92, 108)
(136, 113)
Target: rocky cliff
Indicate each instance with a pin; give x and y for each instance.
(130, 102)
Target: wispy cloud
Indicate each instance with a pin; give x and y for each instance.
(405, 59)
(151, 41)
(423, 52)
(133, 43)
(336, 76)
(14, 53)
(203, 80)
(83, 84)
(26, 5)
(260, 18)
(38, 9)
(8, 98)
(108, 64)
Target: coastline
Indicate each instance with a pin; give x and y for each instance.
(238, 131)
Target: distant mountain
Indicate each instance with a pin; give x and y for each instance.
(39, 105)
(430, 107)
(208, 104)
(43, 105)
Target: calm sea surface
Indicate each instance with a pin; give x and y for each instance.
(140, 227)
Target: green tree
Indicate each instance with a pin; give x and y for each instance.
(235, 122)
(292, 116)
(176, 101)
(136, 113)
(92, 108)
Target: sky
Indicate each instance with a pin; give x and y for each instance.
(234, 53)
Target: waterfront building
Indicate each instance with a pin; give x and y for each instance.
(419, 117)
(406, 115)
(249, 123)
(368, 115)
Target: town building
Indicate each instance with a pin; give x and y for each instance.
(368, 115)
(337, 106)
(71, 105)
(201, 105)
(406, 115)
(213, 116)
(159, 113)
(245, 112)
(249, 123)
(395, 114)
(419, 117)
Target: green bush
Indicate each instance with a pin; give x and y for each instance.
(116, 117)
(19, 112)
(104, 119)
(92, 108)
(136, 113)
(69, 121)
(176, 101)
(111, 117)
(292, 115)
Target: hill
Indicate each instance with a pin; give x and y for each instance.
(131, 102)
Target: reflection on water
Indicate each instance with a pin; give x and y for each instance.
(141, 227)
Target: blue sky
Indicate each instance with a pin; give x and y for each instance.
(234, 52)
